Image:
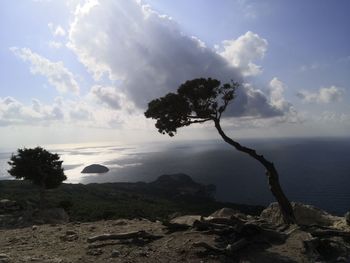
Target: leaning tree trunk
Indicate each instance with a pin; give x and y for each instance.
(271, 173)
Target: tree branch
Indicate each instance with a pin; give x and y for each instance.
(198, 121)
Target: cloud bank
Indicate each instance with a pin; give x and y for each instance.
(148, 55)
(14, 112)
(323, 95)
(135, 55)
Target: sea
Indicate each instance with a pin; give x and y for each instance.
(314, 171)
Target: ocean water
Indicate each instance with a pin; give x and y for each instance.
(312, 171)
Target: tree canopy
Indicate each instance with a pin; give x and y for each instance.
(201, 100)
(39, 166)
(196, 101)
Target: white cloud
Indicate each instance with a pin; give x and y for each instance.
(323, 95)
(277, 89)
(107, 95)
(81, 112)
(55, 72)
(149, 55)
(112, 98)
(241, 52)
(13, 112)
(55, 44)
(57, 31)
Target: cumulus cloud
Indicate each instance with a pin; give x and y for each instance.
(55, 72)
(149, 55)
(107, 95)
(323, 95)
(57, 31)
(143, 49)
(277, 89)
(241, 52)
(14, 112)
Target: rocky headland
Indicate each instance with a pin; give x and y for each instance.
(182, 233)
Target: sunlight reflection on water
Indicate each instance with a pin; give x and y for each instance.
(311, 171)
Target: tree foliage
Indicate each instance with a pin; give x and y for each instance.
(201, 100)
(39, 166)
(196, 101)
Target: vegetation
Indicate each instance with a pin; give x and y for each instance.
(39, 166)
(114, 200)
(201, 100)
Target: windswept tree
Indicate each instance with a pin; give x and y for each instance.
(201, 100)
(39, 166)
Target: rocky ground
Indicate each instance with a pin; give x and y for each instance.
(225, 236)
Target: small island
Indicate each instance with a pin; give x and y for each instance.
(95, 169)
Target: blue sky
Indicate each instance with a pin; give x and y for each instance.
(83, 71)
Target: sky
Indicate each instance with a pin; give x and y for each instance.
(75, 71)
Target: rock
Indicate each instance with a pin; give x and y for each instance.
(347, 218)
(69, 236)
(94, 252)
(185, 220)
(55, 260)
(95, 168)
(115, 253)
(142, 253)
(71, 232)
(4, 258)
(227, 213)
(305, 215)
(342, 259)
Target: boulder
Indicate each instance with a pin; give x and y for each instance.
(305, 215)
(228, 213)
(347, 218)
(187, 220)
(95, 168)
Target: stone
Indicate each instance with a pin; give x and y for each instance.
(94, 252)
(55, 260)
(347, 218)
(142, 253)
(4, 258)
(69, 236)
(227, 213)
(115, 253)
(95, 169)
(71, 232)
(187, 220)
(304, 214)
(342, 259)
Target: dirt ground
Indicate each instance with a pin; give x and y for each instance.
(68, 243)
